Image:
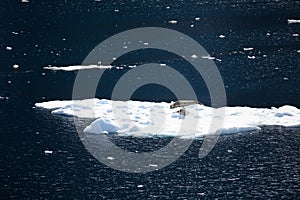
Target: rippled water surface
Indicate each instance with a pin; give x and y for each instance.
(261, 164)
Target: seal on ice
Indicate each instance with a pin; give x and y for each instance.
(182, 103)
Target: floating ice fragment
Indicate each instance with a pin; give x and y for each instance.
(110, 158)
(153, 165)
(208, 57)
(295, 35)
(248, 49)
(48, 152)
(24, 1)
(8, 48)
(197, 18)
(221, 36)
(140, 186)
(194, 56)
(173, 21)
(251, 57)
(15, 66)
(293, 21)
(78, 67)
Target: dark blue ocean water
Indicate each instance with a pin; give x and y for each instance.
(262, 164)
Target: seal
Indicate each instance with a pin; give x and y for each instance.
(182, 103)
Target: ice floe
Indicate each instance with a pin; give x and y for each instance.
(293, 21)
(78, 67)
(146, 119)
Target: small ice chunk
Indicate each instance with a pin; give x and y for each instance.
(168, 7)
(117, 10)
(153, 165)
(295, 35)
(15, 66)
(48, 152)
(248, 49)
(293, 21)
(78, 67)
(285, 78)
(24, 1)
(197, 18)
(163, 64)
(173, 21)
(110, 158)
(221, 36)
(192, 25)
(194, 56)
(8, 48)
(229, 151)
(298, 51)
(251, 57)
(208, 57)
(140, 186)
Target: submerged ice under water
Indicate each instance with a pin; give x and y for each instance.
(147, 119)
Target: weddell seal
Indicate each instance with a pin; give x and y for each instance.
(182, 103)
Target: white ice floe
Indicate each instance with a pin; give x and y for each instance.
(194, 56)
(146, 119)
(248, 49)
(78, 67)
(221, 36)
(208, 57)
(173, 21)
(8, 48)
(15, 66)
(24, 1)
(48, 152)
(293, 21)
